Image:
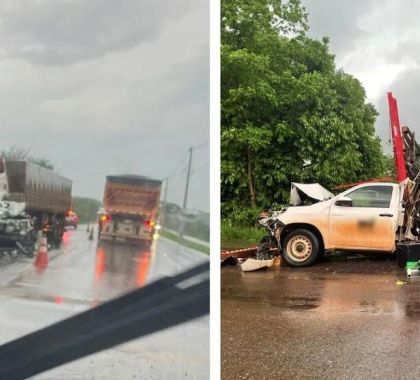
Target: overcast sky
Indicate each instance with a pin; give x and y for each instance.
(378, 42)
(106, 87)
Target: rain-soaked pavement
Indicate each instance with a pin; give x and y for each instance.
(344, 318)
(81, 275)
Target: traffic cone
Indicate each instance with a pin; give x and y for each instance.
(91, 234)
(41, 261)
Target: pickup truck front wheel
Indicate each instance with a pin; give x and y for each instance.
(300, 248)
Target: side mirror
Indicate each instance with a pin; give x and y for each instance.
(344, 201)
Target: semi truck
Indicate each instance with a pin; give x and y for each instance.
(33, 199)
(374, 216)
(130, 209)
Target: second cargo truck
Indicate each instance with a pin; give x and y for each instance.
(130, 209)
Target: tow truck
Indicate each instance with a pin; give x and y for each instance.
(379, 215)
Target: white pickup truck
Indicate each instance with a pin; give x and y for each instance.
(367, 217)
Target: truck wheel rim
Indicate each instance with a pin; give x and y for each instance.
(299, 248)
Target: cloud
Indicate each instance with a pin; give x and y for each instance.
(336, 19)
(63, 32)
(377, 42)
(134, 101)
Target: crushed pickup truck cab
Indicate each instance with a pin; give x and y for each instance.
(363, 218)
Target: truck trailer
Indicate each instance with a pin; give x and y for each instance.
(34, 199)
(130, 209)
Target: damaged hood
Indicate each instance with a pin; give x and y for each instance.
(314, 191)
(8, 209)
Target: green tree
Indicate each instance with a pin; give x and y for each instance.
(287, 113)
(86, 208)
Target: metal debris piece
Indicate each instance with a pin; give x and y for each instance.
(264, 249)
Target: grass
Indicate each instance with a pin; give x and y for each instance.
(234, 237)
(187, 243)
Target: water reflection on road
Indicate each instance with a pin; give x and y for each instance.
(88, 272)
(82, 274)
(342, 318)
(119, 268)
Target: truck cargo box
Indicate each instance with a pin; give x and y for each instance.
(132, 194)
(41, 189)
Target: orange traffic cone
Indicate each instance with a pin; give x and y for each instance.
(41, 261)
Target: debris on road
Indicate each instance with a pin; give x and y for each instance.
(413, 269)
(230, 261)
(252, 264)
(243, 252)
(264, 251)
(252, 258)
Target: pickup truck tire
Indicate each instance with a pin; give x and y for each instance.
(300, 248)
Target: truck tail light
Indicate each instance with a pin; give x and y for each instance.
(105, 218)
(149, 223)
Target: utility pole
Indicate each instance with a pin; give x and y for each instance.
(165, 193)
(184, 205)
(187, 184)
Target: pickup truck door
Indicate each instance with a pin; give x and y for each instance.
(367, 222)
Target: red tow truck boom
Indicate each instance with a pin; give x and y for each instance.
(397, 140)
(404, 149)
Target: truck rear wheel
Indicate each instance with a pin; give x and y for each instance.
(300, 248)
(146, 244)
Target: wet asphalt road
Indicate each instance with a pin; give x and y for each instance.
(341, 319)
(81, 275)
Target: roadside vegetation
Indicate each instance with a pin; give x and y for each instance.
(198, 227)
(86, 208)
(183, 241)
(288, 114)
(234, 237)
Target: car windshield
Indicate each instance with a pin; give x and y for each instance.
(105, 140)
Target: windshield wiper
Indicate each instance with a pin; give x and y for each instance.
(162, 304)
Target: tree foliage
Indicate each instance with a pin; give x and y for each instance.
(16, 153)
(288, 114)
(86, 208)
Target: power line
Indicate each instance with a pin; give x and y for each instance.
(202, 145)
(177, 167)
(200, 168)
(181, 162)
